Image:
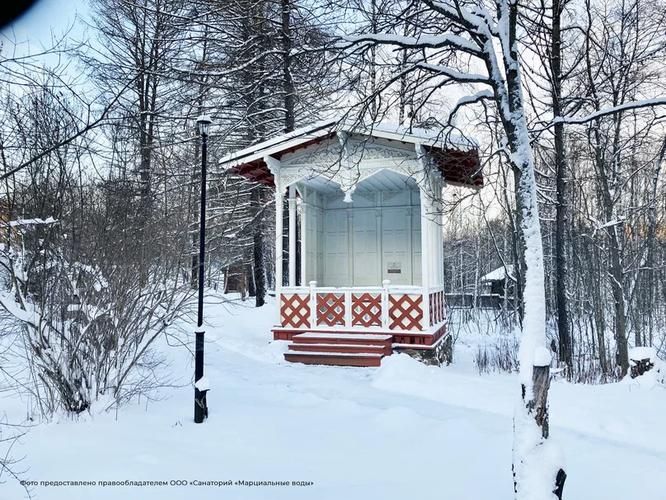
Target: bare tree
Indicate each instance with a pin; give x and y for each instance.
(619, 52)
(137, 40)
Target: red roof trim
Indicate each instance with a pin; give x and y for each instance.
(458, 167)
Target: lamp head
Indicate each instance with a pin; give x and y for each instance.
(203, 124)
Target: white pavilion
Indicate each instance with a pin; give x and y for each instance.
(364, 267)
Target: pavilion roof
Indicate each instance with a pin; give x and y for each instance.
(456, 157)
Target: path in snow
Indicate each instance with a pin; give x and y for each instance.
(401, 431)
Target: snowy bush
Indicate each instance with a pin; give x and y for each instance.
(491, 336)
(499, 354)
(85, 334)
(86, 313)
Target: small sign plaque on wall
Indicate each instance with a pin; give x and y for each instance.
(394, 267)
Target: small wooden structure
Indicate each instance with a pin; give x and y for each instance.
(369, 215)
(497, 291)
(499, 281)
(237, 278)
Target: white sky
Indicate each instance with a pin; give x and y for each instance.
(35, 28)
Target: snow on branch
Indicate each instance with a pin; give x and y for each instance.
(422, 41)
(476, 21)
(468, 100)
(646, 103)
(454, 74)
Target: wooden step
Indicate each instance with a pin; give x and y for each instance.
(342, 338)
(353, 348)
(337, 359)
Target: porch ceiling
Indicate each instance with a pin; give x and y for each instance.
(384, 180)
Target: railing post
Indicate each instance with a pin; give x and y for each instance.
(385, 303)
(426, 309)
(313, 304)
(348, 309)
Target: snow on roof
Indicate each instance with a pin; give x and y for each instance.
(499, 274)
(640, 353)
(281, 142)
(32, 222)
(428, 137)
(323, 128)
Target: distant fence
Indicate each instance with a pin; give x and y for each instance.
(480, 301)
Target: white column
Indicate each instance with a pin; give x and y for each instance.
(440, 251)
(274, 166)
(440, 234)
(304, 236)
(378, 240)
(292, 236)
(279, 206)
(350, 246)
(426, 252)
(432, 267)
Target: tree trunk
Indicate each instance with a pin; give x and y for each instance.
(534, 356)
(652, 245)
(564, 335)
(258, 253)
(617, 279)
(289, 90)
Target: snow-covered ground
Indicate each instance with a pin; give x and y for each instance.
(404, 430)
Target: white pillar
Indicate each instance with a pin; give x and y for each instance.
(432, 236)
(279, 209)
(292, 236)
(426, 251)
(440, 234)
(304, 236)
(273, 165)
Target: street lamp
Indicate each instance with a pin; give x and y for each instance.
(200, 385)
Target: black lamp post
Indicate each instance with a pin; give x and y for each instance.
(200, 387)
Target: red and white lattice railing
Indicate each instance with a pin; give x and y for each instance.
(387, 308)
